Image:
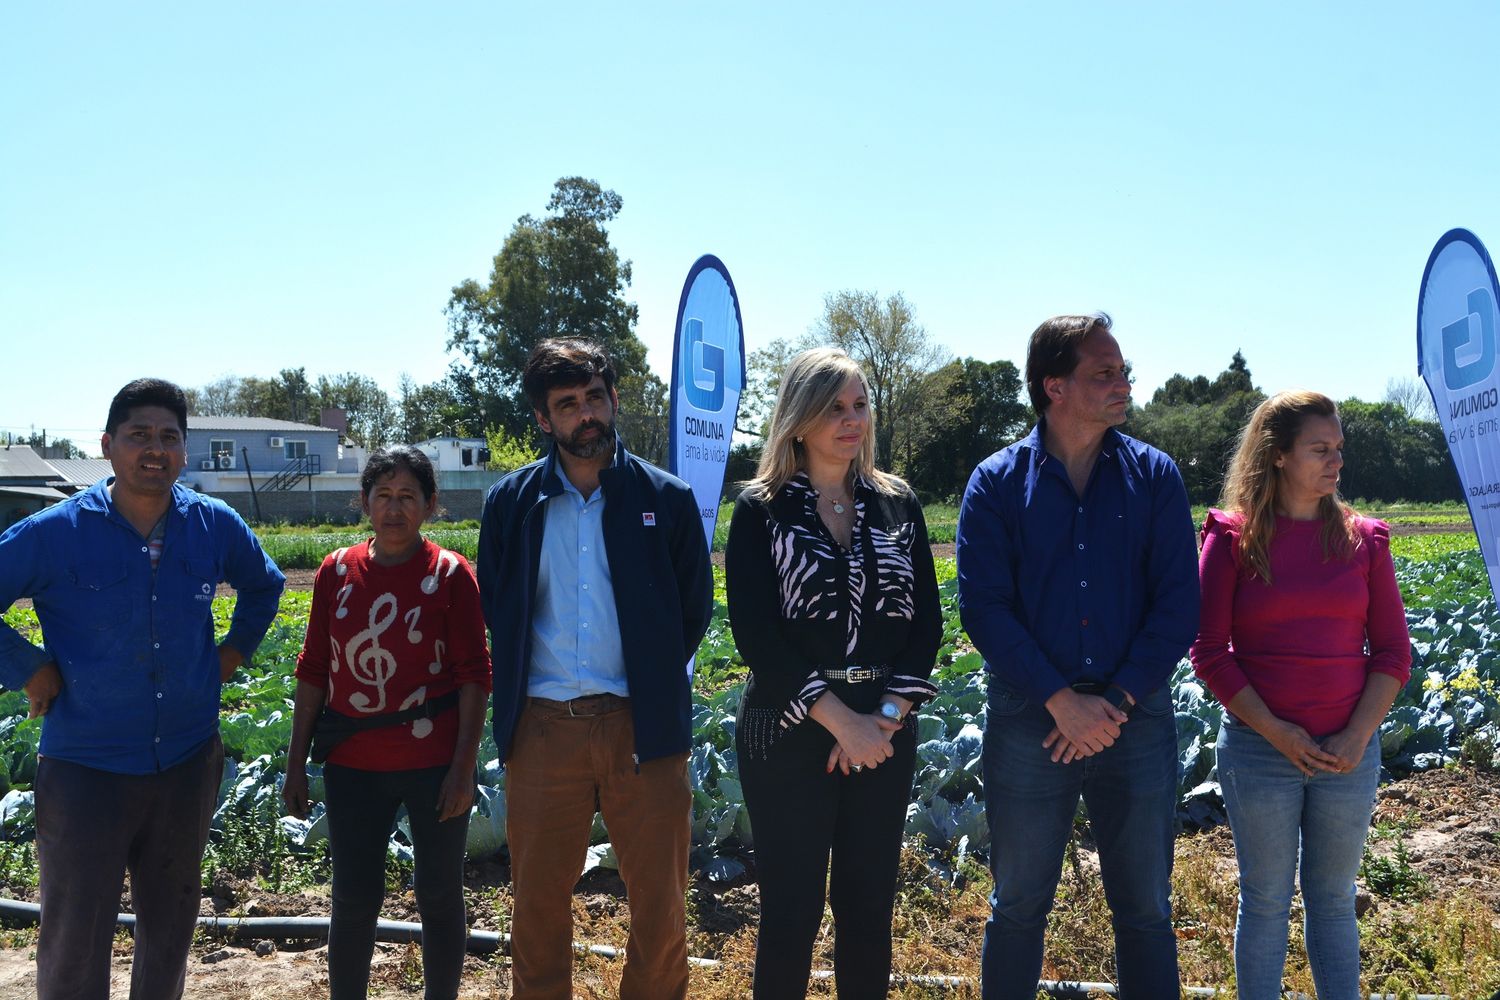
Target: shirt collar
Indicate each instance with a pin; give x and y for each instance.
(1108, 448)
(552, 477)
(96, 498)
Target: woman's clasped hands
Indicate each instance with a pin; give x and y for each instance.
(864, 740)
(1297, 746)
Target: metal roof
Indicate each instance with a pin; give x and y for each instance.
(20, 462)
(45, 492)
(264, 424)
(81, 471)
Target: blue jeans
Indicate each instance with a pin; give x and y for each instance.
(1273, 809)
(1130, 790)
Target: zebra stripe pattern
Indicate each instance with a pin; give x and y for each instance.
(807, 560)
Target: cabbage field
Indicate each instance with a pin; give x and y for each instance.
(1449, 711)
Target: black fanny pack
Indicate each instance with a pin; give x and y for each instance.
(334, 728)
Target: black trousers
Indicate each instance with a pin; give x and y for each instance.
(800, 815)
(362, 809)
(91, 827)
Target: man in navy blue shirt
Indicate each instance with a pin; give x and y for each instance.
(122, 577)
(1078, 584)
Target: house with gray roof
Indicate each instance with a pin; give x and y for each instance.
(259, 446)
(274, 470)
(25, 484)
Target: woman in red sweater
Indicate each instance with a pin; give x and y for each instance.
(1303, 639)
(392, 683)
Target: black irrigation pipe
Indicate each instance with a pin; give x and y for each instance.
(403, 931)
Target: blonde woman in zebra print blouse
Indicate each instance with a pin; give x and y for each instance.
(834, 605)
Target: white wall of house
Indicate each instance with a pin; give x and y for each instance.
(454, 454)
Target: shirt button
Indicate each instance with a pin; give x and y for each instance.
(158, 694)
(585, 548)
(1080, 510)
(585, 586)
(144, 549)
(1080, 546)
(158, 739)
(1088, 659)
(156, 645)
(153, 597)
(585, 624)
(1083, 583)
(1084, 623)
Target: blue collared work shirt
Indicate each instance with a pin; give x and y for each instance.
(135, 648)
(1055, 588)
(575, 629)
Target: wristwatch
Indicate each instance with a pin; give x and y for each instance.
(890, 711)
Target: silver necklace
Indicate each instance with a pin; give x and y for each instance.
(838, 507)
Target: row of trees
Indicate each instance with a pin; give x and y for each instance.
(1393, 449)
(938, 416)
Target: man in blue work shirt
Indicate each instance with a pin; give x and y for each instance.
(597, 589)
(1078, 584)
(122, 577)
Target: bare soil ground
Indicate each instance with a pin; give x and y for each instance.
(1448, 823)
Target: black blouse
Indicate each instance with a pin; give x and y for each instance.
(800, 603)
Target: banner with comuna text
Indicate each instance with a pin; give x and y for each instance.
(708, 375)
(1457, 330)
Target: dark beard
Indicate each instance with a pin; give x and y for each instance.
(579, 448)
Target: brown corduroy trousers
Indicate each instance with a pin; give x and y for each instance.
(569, 760)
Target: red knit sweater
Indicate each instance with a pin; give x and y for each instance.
(387, 638)
(1307, 641)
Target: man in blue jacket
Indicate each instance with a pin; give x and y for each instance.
(122, 577)
(1078, 583)
(597, 590)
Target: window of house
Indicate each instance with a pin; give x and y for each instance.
(295, 450)
(221, 453)
(468, 456)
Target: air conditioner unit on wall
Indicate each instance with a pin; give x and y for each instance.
(278, 442)
(206, 465)
(226, 461)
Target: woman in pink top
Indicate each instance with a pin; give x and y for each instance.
(1303, 639)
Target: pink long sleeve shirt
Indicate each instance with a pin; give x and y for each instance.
(1308, 641)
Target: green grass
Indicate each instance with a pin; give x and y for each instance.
(1412, 514)
(294, 547)
(306, 549)
(283, 528)
(1425, 547)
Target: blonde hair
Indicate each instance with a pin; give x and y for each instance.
(810, 386)
(1253, 484)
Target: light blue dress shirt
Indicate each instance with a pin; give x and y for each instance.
(575, 629)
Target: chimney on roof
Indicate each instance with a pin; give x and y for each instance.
(335, 418)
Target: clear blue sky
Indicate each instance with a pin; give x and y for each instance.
(202, 189)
